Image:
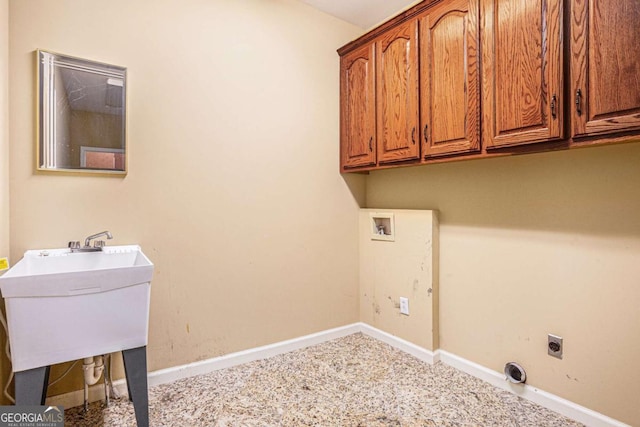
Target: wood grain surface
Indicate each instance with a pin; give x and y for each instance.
(605, 66)
(397, 94)
(471, 79)
(357, 108)
(522, 71)
(449, 78)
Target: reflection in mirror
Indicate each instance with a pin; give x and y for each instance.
(81, 115)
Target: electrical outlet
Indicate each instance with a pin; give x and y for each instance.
(554, 346)
(404, 305)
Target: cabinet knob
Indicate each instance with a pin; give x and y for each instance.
(554, 100)
(426, 134)
(579, 102)
(371, 144)
(413, 135)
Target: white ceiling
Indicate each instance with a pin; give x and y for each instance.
(363, 13)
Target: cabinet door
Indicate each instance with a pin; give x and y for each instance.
(358, 108)
(605, 66)
(450, 95)
(397, 94)
(522, 71)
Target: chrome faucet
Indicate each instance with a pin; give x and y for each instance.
(97, 245)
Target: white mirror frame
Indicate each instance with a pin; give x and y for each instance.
(106, 98)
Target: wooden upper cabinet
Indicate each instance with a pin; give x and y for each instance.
(358, 108)
(605, 66)
(522, 71)
(397, 94)
(449, 78)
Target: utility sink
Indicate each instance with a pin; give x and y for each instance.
(65, 306)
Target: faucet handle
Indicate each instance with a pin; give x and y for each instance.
(99, 244)
(74, 245)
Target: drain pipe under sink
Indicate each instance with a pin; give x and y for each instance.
(92, 368)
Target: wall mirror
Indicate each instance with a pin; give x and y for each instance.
(81, 115)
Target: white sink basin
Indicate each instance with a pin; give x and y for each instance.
(65, 306)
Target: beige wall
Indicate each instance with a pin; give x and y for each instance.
(406, 266)
(4, 158)
(4, 128)
(233, 190)
(538, 244)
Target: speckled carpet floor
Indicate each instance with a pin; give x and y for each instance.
(351, 381)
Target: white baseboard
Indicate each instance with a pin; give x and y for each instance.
(547, 400)
(397, 342)
(550, 401)
(163, 376)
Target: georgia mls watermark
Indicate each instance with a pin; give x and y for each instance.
(31, 416)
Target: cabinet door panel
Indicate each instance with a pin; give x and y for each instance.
(450, 94)
(605, 67)
(357, 79)
(397, 94)
(522, 57)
